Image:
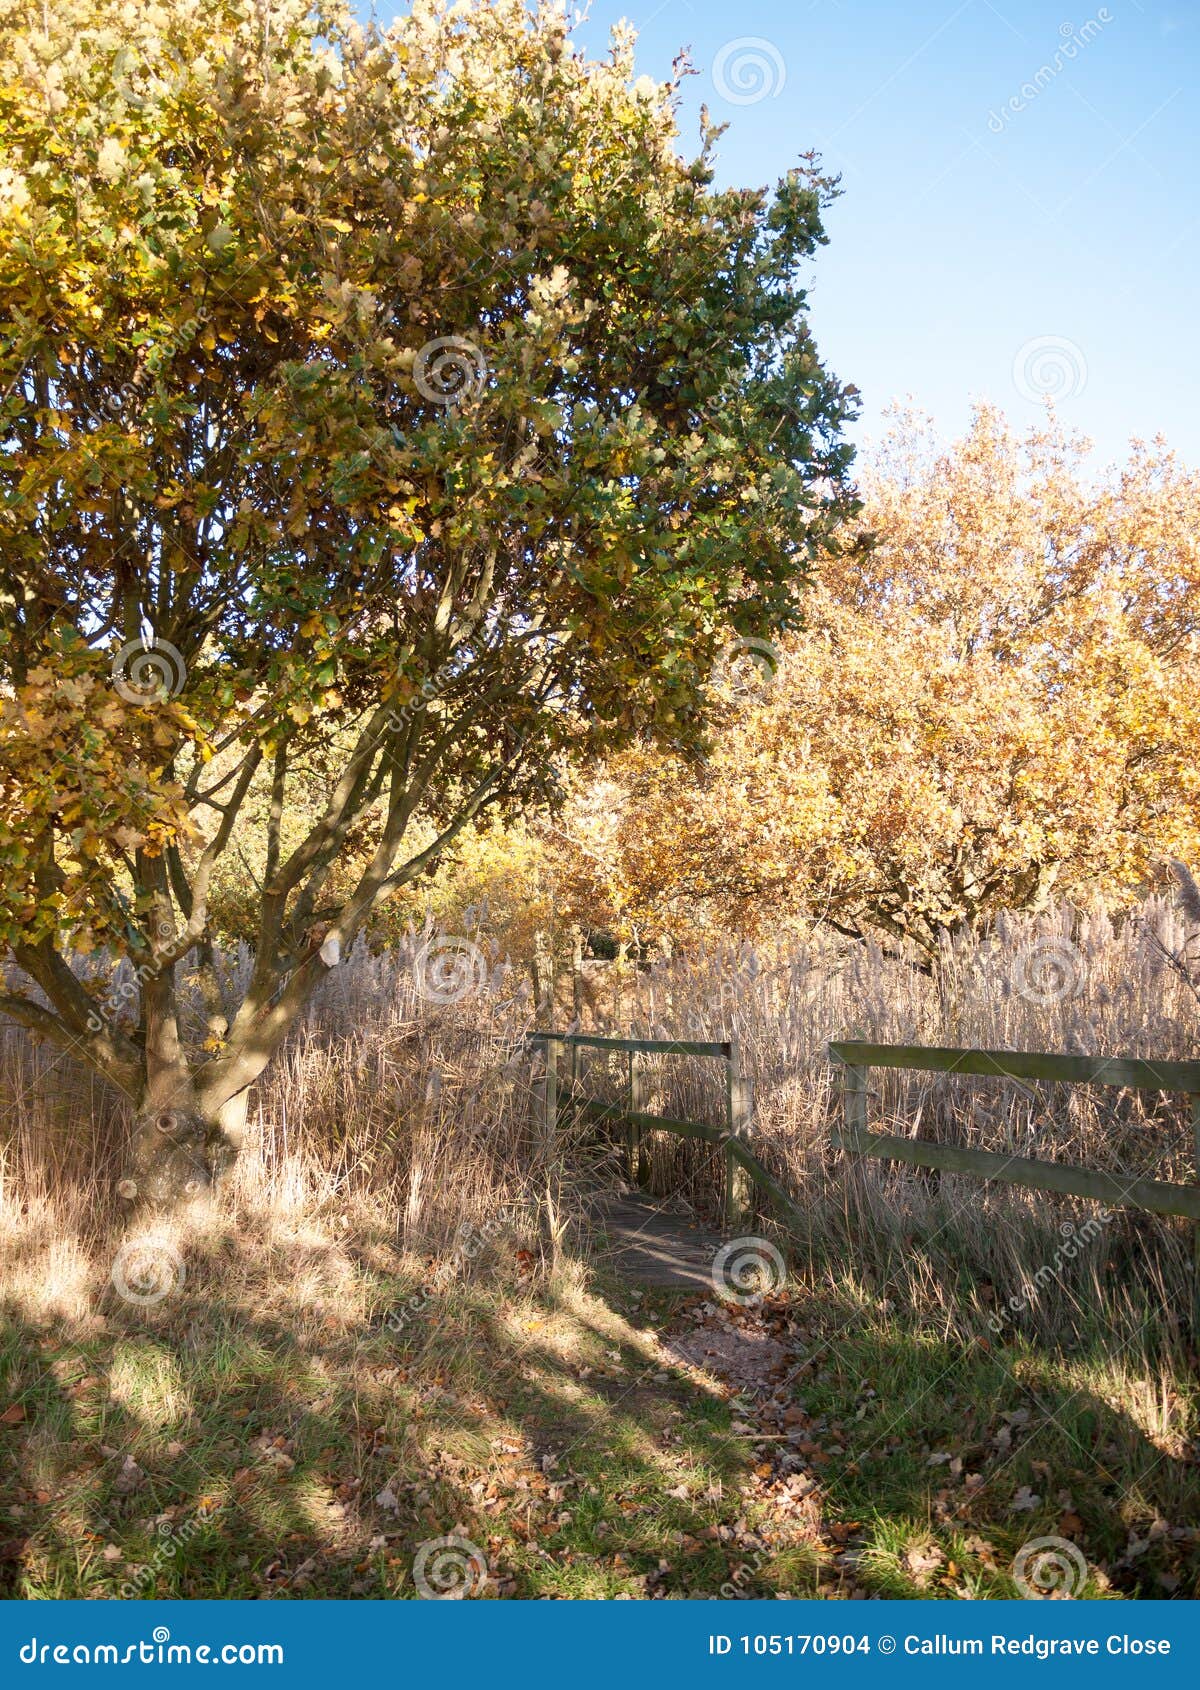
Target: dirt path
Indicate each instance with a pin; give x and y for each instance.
(650, 1244)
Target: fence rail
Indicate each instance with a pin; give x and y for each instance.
(724, 1048)
(1132, 1073)
(856, 1058)
(1157, 1196)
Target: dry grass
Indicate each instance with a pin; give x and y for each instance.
(390, 1128)
(380, 1113)
(1069, 982)
(417, 1120)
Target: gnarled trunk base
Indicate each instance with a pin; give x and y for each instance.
(179, 1154)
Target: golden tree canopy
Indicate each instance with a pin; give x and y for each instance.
(1001, 697)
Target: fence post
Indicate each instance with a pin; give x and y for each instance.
(576, 998)
(633, 1133)
(550, 1119)
(1195, 1103)
(738, 1109)
(854, 1095)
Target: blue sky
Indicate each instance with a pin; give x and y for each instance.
(1020, 212)
(1020, 204)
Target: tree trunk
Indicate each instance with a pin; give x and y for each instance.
(230, 1126)
(170, 1164)
(181, 1151)
(182, 1142)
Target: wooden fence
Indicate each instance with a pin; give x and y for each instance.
(856, 1060)
(731, 1137)
(1156, 1196)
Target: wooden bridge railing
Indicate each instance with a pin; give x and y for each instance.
(1157, 1196)
(856, 1059)
(731, 1137)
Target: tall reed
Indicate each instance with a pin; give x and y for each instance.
(394, 1113)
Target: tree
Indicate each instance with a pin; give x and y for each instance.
(995, 703)
(388, 419)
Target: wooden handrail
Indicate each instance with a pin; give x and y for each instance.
(722, 1048)
(731, 1139)
(1157, 1196)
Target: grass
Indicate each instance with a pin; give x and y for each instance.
(317, 1454)
(961, 1453)
(332, 1385)
(239, 1439)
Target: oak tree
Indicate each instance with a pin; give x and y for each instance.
(388, 417)
(995, 704)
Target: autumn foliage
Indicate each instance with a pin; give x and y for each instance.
(391, 417)
(996, 703)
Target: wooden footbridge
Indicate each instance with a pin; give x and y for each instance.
(670, 1245)
(732, 1135)
(649, 1243)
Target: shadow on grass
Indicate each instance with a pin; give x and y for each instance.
(939, 1441)
(225, 1443)
(206, 1447)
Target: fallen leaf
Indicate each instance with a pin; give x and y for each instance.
(130, 1478)
(921, 1560)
